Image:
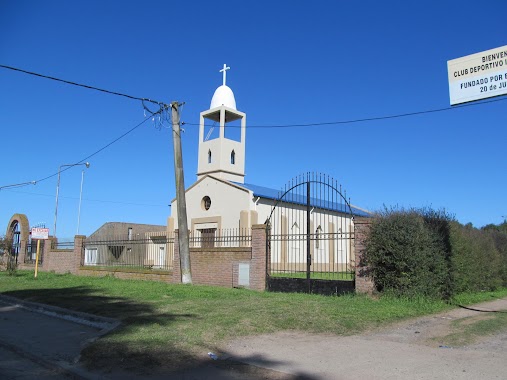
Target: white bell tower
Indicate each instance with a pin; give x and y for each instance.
(222, 157)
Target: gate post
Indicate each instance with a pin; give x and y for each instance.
(308, 234)
(364, 283)
(259, 257)
(79, 250)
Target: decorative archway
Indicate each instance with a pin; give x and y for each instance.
(19, 231)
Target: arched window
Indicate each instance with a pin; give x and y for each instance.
(209, 156)
(233, 157)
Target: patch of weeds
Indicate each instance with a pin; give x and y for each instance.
(472, 329)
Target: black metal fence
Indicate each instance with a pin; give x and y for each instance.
(223, 238)
(31, 252)
(62, 244)
(153, 252)
(331, 255)
(311, 237)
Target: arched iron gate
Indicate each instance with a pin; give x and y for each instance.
(15, 234)
(311, 238)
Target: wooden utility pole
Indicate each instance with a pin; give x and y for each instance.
(183, 241)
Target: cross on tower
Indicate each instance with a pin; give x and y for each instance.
(224, 71)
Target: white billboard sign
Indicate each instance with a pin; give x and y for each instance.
(40, 233)
(478, 76)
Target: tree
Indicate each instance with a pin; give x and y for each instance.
(7, 257)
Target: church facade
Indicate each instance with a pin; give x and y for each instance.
(220, 199)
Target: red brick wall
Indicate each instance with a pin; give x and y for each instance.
(216, 266)
(364, 284)
(259, 259)
(63, 260)
(219, 266)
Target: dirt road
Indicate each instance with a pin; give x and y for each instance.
(415, 349)
(44, 342)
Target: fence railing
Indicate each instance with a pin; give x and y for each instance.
(31, 252)
(155, 252)
(331, 255)
(62, 244)
(223, 238)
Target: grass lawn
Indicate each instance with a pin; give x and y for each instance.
(171, 324)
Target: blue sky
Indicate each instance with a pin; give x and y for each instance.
(291, 63)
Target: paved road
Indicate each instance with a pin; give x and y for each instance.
(43, 342)
(16, 365)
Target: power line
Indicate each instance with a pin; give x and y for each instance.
(88, 200)
(165, 106)
(99, 150)
(84, 159)
(83, 85)
(366, 119)
(152, 114)
(18, 185)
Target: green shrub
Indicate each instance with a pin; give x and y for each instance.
(422, 252)
(476, 261)
(499, 235)
(407, 253)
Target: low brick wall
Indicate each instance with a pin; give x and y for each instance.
(58, 260)
(63, 260)
(210, 266)
(220, 266)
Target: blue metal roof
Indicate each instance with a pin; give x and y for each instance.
(266, 192)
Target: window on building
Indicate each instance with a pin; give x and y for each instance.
(209, 156)
(233, 157)
(206, 203)
(91, 257)
(130, 233)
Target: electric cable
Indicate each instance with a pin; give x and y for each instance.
(365, 119)
(163, 105)
(82, 85)
(88, 200)
(97, 151)
(84, 159)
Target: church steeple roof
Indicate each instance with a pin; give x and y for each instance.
(223, 95)
(222, 156)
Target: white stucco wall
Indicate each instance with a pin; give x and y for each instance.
(227, 202)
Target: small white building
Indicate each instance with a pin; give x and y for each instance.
(220, 199)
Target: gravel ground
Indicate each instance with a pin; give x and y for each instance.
(409, 350)
(43, 345)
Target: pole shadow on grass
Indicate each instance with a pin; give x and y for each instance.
(106, 353)
(117, 358)
(86, 299)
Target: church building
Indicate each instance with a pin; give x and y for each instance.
(220, 199)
